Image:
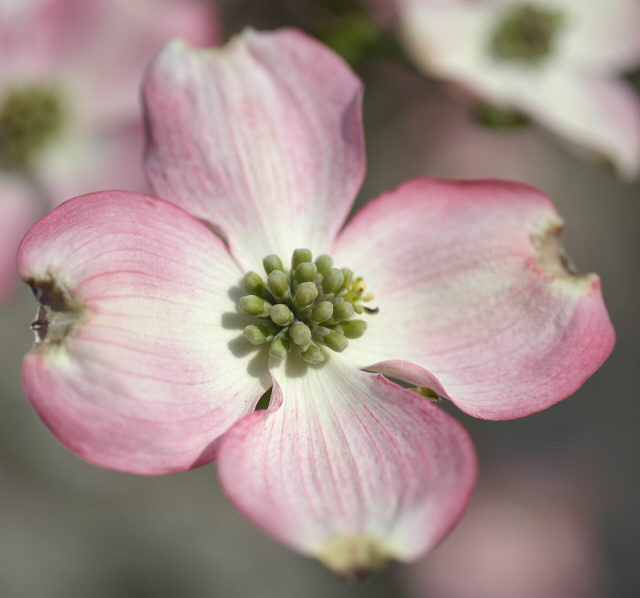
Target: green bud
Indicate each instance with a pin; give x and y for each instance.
(311, 307)
(348, 277)
(256, 335)
(30, 117)
(300, 333)
(359, 287)
(299, 256)
(306, 272)
(319, 332)
(323, 263)
(253, 283)
(278, 283)
(526, 34)
(312, 355)
(279, 347)
(272, 262)
(354, 328)
(342, 310)
(281, 314)
(323, 311)
(253, 305)
(333, 280)
(306, 294)
(336, 341)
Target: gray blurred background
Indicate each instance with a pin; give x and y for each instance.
(556, 511)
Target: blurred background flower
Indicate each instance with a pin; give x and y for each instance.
(70, 118)
(530, 532)
(556, 61)
(17, 213)
(70, 527)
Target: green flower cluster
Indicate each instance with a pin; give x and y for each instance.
(310, 306)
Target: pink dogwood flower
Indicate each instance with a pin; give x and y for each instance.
(557, 61)
(69, 114)
(156, 338)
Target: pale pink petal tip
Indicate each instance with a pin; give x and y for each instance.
(131, 368)
(477, 299)
(349, 468)
(261, 138)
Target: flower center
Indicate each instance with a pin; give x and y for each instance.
(526, 34)
(29, 118)
(310, 306)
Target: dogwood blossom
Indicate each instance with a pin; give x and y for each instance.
(557, 61)
(69, 115)
(156, 338)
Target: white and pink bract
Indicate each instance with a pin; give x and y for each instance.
(91, 55)
(140, 363)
